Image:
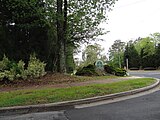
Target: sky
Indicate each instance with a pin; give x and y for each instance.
(131, 19)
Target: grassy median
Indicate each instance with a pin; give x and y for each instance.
(51, 95)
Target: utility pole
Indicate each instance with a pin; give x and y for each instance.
(127, 56)
(119, 59)
(127, 63)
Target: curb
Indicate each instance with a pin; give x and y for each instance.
(69, 104)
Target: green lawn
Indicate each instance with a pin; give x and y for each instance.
(51, 95)
(87, 78)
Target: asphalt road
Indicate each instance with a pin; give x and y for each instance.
(146, 107)
(155, 74)
(141, 108)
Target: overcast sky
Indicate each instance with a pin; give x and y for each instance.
(131, 19)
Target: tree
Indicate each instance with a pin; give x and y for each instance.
(116, 53)
(25, 29)
(51, 28)
(146, 50)
(84, 18)
(60, 37)
(132, 55)
(156, 38)
(92, 53)
(157, 56)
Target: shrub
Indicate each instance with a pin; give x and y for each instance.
(35, 68)
(109, 69)
(120, 72)
(89, 70)
(4, 64)
(10, 70)
(6, 73)
(13, 71)
(115, 71)
(21, 72)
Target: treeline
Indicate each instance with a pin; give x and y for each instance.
(142, 53)
(52, 29)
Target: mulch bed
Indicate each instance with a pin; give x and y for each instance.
(48, 79)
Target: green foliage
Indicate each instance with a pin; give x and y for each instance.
(4, 64)
(120, 72)
(25, 30)
(9, 74)
(109, 69)
(157, 56)
(89, 70)
(116, 52)
(85, 16)
(28, 26)
(116, 71)
(142, 51)
(35, 68)
(132, 55)
(92, 53)
(11, 70)
(21, 72)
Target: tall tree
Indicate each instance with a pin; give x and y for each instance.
(24, 27)
(132, 55)
(146, 50)
(60, 37)
(116, 53)
(157, 56)
(156, 38)
(50, 28)
(92, 53)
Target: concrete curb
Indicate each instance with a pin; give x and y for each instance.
(69, 104)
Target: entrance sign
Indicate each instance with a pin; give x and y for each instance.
(99, 64)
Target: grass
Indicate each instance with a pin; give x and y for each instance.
(51, 95)
(87, 78)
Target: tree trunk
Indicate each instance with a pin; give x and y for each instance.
(65, 32)
(60, 38)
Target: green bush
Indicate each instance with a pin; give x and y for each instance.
(4, 64)
(120, 72)
(115, 71)
(21, 73)
(6, 73)
(10, 70)
(109, 69)
(35, 68)
(89, 70)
